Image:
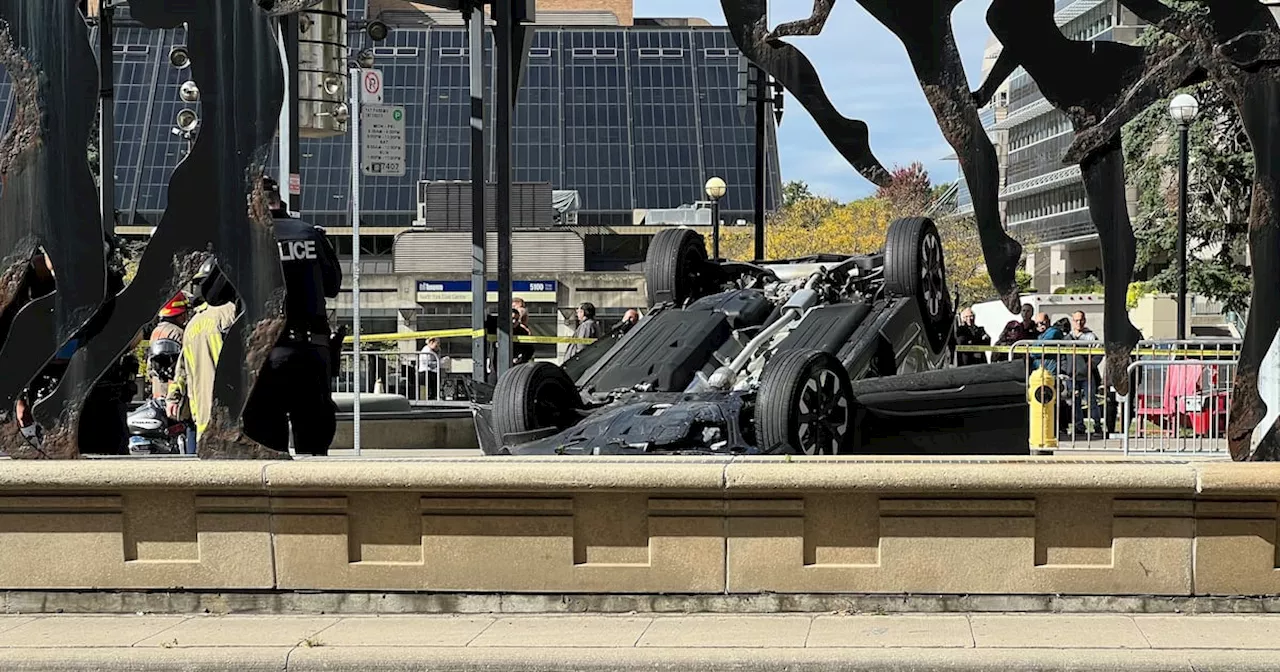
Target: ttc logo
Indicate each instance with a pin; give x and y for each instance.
(297, 250)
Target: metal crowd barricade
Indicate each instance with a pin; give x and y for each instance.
(1179, 406)
(1179, 395)
(389, 373)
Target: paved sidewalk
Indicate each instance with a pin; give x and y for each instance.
(641, 642)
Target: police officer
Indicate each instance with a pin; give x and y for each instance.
(294, 386)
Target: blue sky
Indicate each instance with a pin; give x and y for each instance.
(866, 73)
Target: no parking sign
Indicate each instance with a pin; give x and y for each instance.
(371, 86)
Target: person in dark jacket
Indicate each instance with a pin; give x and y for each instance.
(521, 353)
(587, 328)
(969, 333)
(1023, 329)
(294, 388)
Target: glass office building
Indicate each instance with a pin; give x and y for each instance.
(631, 117)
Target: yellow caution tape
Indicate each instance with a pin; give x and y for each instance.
(1182, 351)
(463, 333)
(1047, 349)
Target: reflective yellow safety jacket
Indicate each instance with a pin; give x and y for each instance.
(201, 345)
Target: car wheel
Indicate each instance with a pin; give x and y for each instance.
(674, 266)
(533, 396)
(914, 267)
(805, 405)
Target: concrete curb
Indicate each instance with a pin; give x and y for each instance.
(266, 659)
(351, 603)
(383, 659)
(724, 475)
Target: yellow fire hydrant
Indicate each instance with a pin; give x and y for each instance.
(1042, 398)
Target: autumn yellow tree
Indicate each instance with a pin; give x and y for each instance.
(810, 224)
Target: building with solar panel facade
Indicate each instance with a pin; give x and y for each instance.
(625, 117)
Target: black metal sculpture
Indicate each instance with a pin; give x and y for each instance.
(53, 267)
(215, 206)
(51, 237)
(924, 28)
(1237, 42)
(749, 24)
(1087, 81)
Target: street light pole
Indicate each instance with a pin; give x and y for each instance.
(762, 108)
(1183, 108)
(715, 190)
(715, 230)
(1182, 231)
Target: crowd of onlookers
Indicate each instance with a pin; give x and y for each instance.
(586, 326)
(1080, 374)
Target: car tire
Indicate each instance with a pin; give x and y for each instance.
(673, 266)
(533, 396)
(805, 405)
(914, 267)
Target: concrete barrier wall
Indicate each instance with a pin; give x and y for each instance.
(644, 526)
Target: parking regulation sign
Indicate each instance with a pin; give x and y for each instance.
(371, 86)
(382, 140)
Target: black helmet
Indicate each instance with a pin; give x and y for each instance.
(211, 285)
(163, 356)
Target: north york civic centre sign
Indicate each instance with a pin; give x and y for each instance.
(459, 291)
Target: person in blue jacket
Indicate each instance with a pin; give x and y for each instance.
(1048, 332)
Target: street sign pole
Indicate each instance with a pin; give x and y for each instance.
(479, 346)
(357, 80)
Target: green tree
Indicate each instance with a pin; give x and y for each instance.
(795, 191)
(1219, 195)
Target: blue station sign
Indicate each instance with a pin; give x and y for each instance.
(459, 291)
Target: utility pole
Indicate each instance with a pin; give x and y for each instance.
(474, 16)
(756, 86)
(354, 86)
(107, 117)
(290, 133)
(761, 89)
(504, 104)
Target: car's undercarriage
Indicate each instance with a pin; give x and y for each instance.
(738, 357)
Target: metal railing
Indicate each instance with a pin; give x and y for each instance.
(392, 373)
(1178, 402)
(1179, 406)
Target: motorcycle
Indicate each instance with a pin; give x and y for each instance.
(153, 432)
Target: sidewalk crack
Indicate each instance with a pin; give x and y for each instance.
(809, 633)
(161, 632)
(973, 640)
(1142, 632)
(288, 657)
(483, 630)
(643, 632)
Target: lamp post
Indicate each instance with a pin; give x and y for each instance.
(716, 189)
(1183, 108)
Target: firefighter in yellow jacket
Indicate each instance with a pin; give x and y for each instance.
(202, 343)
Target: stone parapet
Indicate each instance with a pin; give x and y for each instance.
(631, 526)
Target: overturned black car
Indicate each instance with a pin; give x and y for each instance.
(760, 358)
